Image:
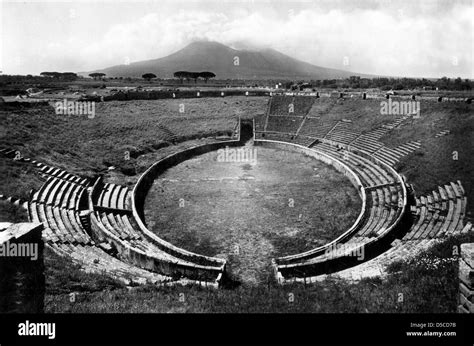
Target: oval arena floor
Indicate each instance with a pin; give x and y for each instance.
(251, 208)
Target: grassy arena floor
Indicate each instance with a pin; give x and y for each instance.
(283, 203)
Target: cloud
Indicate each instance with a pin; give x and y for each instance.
(420, 40)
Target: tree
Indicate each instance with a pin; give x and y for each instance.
(97, 75)
(194, 75)
(181, 75)
(148, 76)
(60, 75)
(68, 76)
(206, 75)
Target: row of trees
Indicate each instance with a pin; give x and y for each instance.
(206, 75)
(97, 75)
(384, 83)
(182, 75)
(70, 75)
(60, 75)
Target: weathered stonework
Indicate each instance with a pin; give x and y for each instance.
(466, 279)
(22, 282)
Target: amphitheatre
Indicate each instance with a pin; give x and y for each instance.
(338, 192)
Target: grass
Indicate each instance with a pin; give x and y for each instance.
(11, 213)
(289, 203)
(89, 146)
(433, 163)
(429, 284)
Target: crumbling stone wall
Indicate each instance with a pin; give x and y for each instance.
(22, 281)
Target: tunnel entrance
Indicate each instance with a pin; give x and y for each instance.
(246, 131)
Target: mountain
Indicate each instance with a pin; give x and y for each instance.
(218, 58)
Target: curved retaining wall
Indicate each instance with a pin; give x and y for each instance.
(340, 167)
(324, 264)
(144, 183)
(125, 251)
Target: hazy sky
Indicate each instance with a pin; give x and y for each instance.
(421, 38)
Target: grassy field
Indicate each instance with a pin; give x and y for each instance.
(87, 147)
(283, 203)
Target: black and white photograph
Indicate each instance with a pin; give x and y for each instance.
(237, 160)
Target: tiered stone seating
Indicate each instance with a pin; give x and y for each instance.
(342, 133)
(280, 120)
(46, 171)
(368, 142)
(259, 122)
(56, 205)
(384, 206)
(303, 104)
(286, 124)
(436, 216)
(383, 198)
(392, 156)
(116, 216)
(113, 222)
(439, 214)
(390, 126)
(442, 133)
(376, 267)
(315, 127)
(280, 105)
(303, 140)
(370, 173)
(94, 260)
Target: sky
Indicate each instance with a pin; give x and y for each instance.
(412, 38)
